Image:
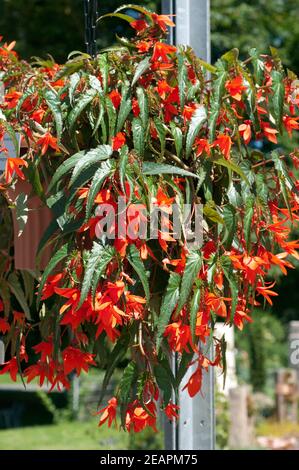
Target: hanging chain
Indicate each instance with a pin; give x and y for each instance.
(90, 21)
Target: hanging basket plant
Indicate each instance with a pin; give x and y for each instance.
(142, 133)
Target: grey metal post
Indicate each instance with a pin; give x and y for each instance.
(294, 347)
(2, 352)
(196, 428)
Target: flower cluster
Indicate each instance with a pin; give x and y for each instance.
(153, 124)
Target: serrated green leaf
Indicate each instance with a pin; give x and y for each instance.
(278, 97)
(124, 109)
(178, 138)
(182, 79)
(162, 131)
(249, 211)
(136, 262)
(143, 106)
(142, 67)
(230, 224)
(82, 103)
(65, 167)
(105, 170)
(138, 136)
(227, 268)
(127, 382)
(169, 302)
(102, 263)
(230, 165)
(123, 162)
(153, 168)
(218, 92)
(198, 119)
(53, 101)
(92, 261)
(193, 265)
(100, 153)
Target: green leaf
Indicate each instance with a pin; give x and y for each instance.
(130, 6)
(124, 109)
(162, 131)
(230, 224)
(230, 165)
(178, 138)
(183, 366)
(117, 354)
(106, 169)
(93, 258)
(17, 291)
(102, 263)
(169, 302)
(104, 69)
(182, 78)
(136, 262)
(163, 382)
(138, 136)
(278, 97)
(62, 253)
(123, 163)
(112, 116)
(211, 213)
(65, 167)
(192, 268)
(197, 121)
(216, 101)
(143, 105)
(227, 268)
(142, 67)
(120, 16)
(74, 82)
(53, 101)
(102, 152)
(249, 211)
(194, 309)
(231, 57)
(127, 382)
(153, 168)
(83, 102)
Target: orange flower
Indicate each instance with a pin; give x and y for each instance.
(4, 326)
(46, 141)
(75, 359)
(290, 123)
(161, 51)
(115, 97)
(139, 25)
(202, 145)
(194, 383)
(13, 166)
(171, 411)
(269, 132)
(245, 131)
(266, 291)
(178, 336)
(235, 87)
(109, 412)
(118, 141)
(162, 21)
(138, 418)
(224, 143)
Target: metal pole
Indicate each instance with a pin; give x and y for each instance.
(90, 20)
(196, 428)
(2, 352)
